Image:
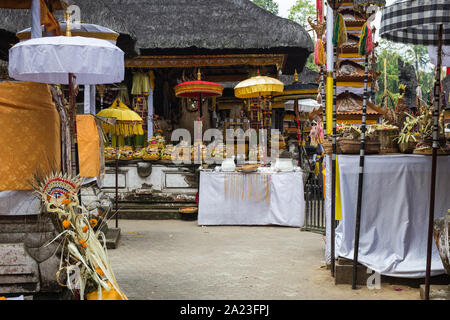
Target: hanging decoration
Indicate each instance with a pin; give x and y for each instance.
(365, 45)
(339, 30)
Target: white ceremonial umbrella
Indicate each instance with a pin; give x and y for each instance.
(70, 61)
(52, 59)
(305, 105)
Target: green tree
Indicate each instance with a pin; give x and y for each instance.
(415, 55)
(386, 53)
(269, 5)
(300, 12)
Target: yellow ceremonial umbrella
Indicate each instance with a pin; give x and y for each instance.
(127, 123)
(257, 87)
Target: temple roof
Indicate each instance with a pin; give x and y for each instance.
(161, 27)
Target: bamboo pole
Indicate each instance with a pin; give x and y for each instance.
(324, 105)
(437, 103)
(361, 174)
(331, 106)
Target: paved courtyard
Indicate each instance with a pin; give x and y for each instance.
(172, 259)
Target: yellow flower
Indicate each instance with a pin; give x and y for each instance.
(66, 224)
(100, 272)
(83, 243)
(93, 222)
(85, 229)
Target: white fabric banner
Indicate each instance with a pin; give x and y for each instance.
(432, 52)
(150, 115)
(286, 206)
(395, 209)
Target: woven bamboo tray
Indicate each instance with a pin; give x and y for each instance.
(349, 146)
(387, 142)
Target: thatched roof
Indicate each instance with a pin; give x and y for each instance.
(180, 26)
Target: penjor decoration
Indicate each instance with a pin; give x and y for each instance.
(84, 257)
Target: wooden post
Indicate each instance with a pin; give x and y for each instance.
(361, 175)
(437, 104)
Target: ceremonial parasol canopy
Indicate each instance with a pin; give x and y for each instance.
(297, 90)
(304, 105)
(127, 122)
(416, 22)
(195, 89)
(258, 86)
(87, 30)
(51, 59)
(198, 89)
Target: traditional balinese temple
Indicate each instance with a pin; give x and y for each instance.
(229, 40)
(168, 42)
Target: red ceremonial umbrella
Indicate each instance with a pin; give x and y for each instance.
(198, 89)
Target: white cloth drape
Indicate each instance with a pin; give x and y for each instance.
(286, 206)
(150, 115)
(445, 54)
(395, 208)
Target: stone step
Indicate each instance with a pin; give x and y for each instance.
(344, 275)
(17, 237)
(149, 215)
(161, 205)
(437, 292)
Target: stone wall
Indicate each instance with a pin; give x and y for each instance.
(26, 266)
(407, 76)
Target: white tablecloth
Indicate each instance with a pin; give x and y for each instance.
(286, 205)
(395, 209)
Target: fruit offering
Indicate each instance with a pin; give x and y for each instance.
(152, 153)
(220, 152)
(110, 153)
(166, 153)
(138, 154)
(126, 153)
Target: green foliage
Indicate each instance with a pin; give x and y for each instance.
(310, 63)
(385, 51)
(300, 12)
(269, 5)
(415, 55)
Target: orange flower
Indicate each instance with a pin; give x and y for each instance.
(66, 201)
(93, 222)
(83, 243)
(2, 298)
(100, 272)
(66, 224)
(85, 229)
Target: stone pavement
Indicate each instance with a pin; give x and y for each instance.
(174, 259)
